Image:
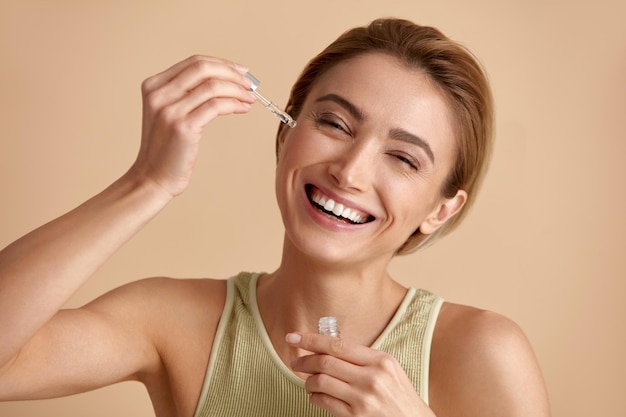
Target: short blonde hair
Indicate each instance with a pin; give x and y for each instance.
(453, 69)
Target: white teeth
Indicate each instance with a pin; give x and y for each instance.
(337, 209)
(352, 216)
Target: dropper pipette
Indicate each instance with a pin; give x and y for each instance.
(284, 117)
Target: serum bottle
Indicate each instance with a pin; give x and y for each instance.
(328, 326)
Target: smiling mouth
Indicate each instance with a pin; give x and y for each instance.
(336, 210)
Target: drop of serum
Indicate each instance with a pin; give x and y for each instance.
(328, 326)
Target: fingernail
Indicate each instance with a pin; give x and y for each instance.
(241, 68)
(293, 338)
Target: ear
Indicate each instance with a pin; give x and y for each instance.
(445, 209)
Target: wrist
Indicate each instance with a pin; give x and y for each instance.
(136, 181)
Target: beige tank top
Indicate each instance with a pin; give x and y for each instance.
(246, 378)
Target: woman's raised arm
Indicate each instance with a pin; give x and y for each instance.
(40, 271)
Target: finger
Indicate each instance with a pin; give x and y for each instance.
(164, 77)
(334, 346)
(194, 74)
(198, 72)
(327, 365)
(212, 89)
(327, 393)
(331, 404)
(332, 376)
(214, 108)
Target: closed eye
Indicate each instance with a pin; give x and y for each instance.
(331, 120)
(407, 160)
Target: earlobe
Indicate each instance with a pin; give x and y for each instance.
(446, 209)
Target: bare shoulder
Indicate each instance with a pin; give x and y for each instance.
(170, 299)
(174, 314)
(483, 365)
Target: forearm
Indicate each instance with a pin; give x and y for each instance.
(40, 271)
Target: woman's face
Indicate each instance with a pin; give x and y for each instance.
(364, 167)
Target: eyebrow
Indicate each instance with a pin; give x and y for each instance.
(397, 134)
(404, 136)
(352, 109)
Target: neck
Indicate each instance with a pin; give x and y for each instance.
(364, 298)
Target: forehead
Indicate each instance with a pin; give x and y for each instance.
(386, 77)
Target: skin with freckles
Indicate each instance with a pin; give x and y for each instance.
(376, 139)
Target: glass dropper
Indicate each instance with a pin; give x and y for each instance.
(284, 117)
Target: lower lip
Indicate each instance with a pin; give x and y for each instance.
(327, 221)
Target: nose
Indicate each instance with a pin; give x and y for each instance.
(353, 168)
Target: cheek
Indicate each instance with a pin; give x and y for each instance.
(291, 157)
(300, 149)
(408, 203)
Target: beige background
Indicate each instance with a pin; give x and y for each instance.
(544, 245)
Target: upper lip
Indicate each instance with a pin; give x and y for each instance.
(363, 213)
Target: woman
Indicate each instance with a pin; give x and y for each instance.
(393, 133)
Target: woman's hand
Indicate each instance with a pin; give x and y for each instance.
(177, 104)
(352, 380)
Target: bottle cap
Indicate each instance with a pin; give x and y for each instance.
(255, 82)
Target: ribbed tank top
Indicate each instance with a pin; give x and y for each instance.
(246, 377)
